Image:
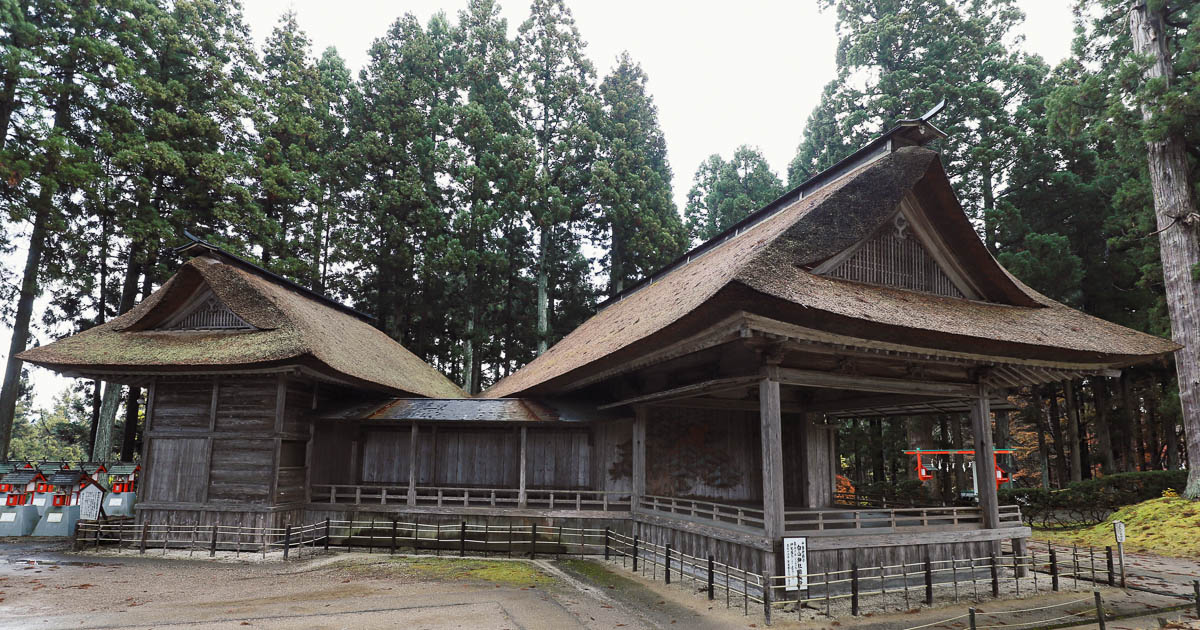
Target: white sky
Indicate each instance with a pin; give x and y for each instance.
(722, 73)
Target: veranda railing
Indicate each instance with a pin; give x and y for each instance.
(446, 496)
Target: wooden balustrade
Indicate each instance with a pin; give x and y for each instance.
(444, 496)
(726, 513)
(832, 520)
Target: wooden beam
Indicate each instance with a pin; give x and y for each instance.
(639, 455)
(771, 432)
(883, 384)
(985, 474)
(412, 465)
(724, 331)
(688, 391)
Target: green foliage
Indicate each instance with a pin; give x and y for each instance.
(59, 433)
(1092, 500)
(631, 180)
(723, 193)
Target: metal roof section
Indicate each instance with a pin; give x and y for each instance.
(472, 410)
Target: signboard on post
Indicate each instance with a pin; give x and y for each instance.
(795, 563)
(90, 499)
(1119, 533)
(1119, 530)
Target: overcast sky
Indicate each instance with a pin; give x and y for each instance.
(722, 73)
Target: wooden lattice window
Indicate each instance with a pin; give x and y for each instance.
(207, 312)
(895, 258)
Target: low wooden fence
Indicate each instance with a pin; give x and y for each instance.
(441, 496)
(724, 513)
(361, 535)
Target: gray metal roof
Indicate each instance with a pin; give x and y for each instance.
(500, 410)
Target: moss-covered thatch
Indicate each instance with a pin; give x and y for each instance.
(766, 269)
(290, 328)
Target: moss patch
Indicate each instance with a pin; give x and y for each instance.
(1165, 526)
(500, 572)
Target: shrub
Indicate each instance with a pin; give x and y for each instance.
(1091, 501)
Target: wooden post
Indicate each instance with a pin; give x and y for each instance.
(854, 589)
(522, 497)
(985, 475)
(326, 534)
(145, 533)
(639, 456)
(711, 594)
(462, 539)
(767, 594)
(771, 434)
(995, 574)
(1053, 569)
(971, 611)
(607, 534)
(635, 553)
(1196, 589)
(533, 541)
(1099, 610)
(392, 551)
(212, 546)
(287, 541)
(667, 566)
(412, 466)
(928, 581)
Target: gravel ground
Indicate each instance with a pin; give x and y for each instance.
(44, 586)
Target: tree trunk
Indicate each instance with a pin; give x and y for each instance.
(1073, 431)
(543, 290)
(129, 437)
(102, 451)
(878, 451)
(1152, 421)
(1128, 428)
(1177, 218)
(1060, 442)
(1103, 402)
(1040, 429)
(469, 383)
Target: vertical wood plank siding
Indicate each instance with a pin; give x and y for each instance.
(895, 261)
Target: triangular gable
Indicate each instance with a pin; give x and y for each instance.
(205, 311)
(905, 252)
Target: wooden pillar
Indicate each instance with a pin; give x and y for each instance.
(772, 457)
(412, 465)
(981, 423)
(639, 455)
(522, 498)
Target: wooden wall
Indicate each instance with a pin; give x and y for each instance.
(231, 441)
(703, 453)
(462, 455)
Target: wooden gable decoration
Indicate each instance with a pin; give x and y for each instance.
(205, 311)
(903, 253)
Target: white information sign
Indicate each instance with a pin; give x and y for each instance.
(795, 563)
(8, 517)
(90, 499)
(54, 517)
(115, 501)
(39, 501)
(1119, 530)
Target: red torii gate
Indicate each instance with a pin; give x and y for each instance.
(1001, 477)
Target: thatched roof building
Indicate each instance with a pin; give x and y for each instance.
(881, 251)
(220, 313)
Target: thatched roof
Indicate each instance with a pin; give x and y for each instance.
(766, 267)
(290, 327)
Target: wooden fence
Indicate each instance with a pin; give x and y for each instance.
(361, 535)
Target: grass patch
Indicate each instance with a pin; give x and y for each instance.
(511, 573)
(1166, 526)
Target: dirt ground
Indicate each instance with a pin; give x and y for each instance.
(43, 586)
